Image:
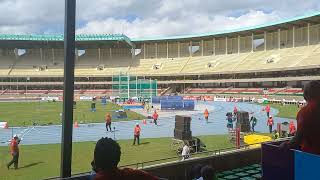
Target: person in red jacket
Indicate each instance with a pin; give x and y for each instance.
(235, 110)
(137, 131)
(270, 123)
(292, 129)
(155, 117)
(268, 110)
(206, 114)
(107, 155)
(307, 134)
(108, 121)
(14, 150)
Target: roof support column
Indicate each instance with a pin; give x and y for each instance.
(144, 50)
(178, 49)
(214, 46)
(133, 52)
(167, 49)
(293, 36)
(52, 50)
(279, 37)
(110, 53)
(308, 34)
(190, 49)
(202, 47)
(41, 55)
(156, 44)
(99, 55)
(226, 44)
(252, 43)
(76, 53)
(238, 44)
(265, 41)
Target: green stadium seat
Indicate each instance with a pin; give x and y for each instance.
(231, 177)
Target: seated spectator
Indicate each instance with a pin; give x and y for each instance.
(208, 173)
(307, 134)
(106, 158)
(195, 171)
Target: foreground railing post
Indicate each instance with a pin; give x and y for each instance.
(67, 116)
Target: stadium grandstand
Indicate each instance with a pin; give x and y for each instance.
(278, 57)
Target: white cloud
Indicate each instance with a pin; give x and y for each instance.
(147, 18)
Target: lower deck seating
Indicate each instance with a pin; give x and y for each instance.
(251, 172)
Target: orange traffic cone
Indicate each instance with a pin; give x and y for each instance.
(5, 125)
(76, 125)
(144, 121)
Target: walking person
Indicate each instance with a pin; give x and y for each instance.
(93, 105)
(268, 110)
(206, 114)
(270, 123)
(14, 150)
(108, 121)
(253, 121)
(155, 117)
(185, 152)
(137, 131)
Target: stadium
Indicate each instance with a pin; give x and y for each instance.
(245, 68)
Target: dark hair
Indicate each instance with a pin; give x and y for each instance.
(207, 172)
(106, 154)
(196, 171)
(311, 90)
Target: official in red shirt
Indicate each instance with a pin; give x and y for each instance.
(268, 110)
(308, 122)
(108, 121)
(155, 117)
(137, 131)
(270, 123)
(292, 129)
(14, 150)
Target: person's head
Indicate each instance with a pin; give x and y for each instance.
(207, 172)
(137, 124)
(311, 91)
(270, 117)
(196, 171)
(106, 154)
(15, 137)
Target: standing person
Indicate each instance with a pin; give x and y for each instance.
(14, 150)
(137, 131)
(270, 123)
(155, 117)
(292, 129)
(254, 122)
(108, 121)
(230, 120)
(93, 105)
(206, 114)
(268, 110)
(185, 151)
(235, 110)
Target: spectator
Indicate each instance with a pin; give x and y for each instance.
(195, 171)
(185, 151)
(106, 158)
(308, 122)
(208, 173)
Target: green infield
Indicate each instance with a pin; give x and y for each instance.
(42, 161)
(286, 111)
(46, 113)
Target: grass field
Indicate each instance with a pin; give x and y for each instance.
(287, 111)
(41, 161)
(43, 113)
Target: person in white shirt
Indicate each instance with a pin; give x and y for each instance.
(185, 152)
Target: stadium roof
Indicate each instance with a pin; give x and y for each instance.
(303, 18)
(58, 38)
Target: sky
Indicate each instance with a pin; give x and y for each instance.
(147, 18)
